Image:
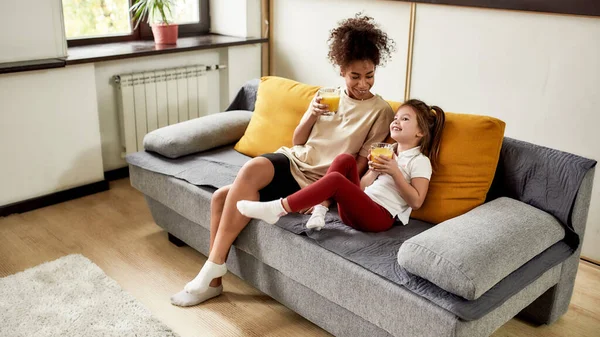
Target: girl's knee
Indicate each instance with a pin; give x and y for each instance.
(335, 177)
(344, 159)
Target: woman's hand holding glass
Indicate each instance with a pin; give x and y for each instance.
(318, 109)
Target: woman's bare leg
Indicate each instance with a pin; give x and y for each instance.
(255, 175)
(184, 298)
(226, 224)
(217, 203)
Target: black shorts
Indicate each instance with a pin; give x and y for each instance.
(283, 183)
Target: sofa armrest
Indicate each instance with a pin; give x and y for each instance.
(198, 134)
(469, 254)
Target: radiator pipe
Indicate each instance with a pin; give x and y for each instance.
(117, 78)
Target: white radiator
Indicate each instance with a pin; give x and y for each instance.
(153, 99)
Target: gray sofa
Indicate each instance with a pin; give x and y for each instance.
(517, 254)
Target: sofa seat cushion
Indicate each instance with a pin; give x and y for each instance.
(198, 134)
(216, 167)
(471, 253)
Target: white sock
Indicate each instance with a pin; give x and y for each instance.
(317, 219)
(185, 299)
(269, 211)
(209, 271)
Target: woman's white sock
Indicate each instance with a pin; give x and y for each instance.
(269, 211)
(185, 299)
(209, 271)
(317, 219)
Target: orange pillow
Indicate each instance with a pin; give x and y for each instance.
(469, 152)
(280, 105)
(395, 105)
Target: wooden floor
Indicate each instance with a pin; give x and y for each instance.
(114, 229)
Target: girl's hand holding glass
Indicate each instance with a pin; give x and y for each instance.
(384, 164)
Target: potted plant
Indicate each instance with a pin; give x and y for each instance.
(158, 15)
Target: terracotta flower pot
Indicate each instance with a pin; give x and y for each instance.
(165, 34)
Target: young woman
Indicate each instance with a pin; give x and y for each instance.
(390, 190)
(357, 46)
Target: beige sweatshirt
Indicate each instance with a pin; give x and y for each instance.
(356, 125)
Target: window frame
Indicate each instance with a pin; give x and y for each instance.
(144, 31)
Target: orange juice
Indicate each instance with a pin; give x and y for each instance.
(332, 101)
(381, 151)
(331, 97)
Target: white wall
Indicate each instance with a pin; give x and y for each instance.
(243, 64)
(239, 18)
(60, 128)
(110, 127)
(49, 135)
(540, 73)
(31, 30)
(300, 48)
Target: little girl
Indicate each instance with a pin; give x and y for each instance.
(390, 189)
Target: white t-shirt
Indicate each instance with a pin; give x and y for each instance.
(412, 164)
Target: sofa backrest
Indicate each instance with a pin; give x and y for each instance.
(545, 178)
(246, 96)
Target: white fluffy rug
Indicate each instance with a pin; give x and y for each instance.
(71, 296)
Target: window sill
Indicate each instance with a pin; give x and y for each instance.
(15, 67)
(123, 50)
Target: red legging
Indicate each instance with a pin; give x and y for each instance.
(342, 184)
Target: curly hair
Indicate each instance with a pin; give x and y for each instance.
(357, 39)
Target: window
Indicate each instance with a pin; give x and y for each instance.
(187, 12)
(96, 18)
(104, 21)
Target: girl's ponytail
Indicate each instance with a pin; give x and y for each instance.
(436, 134)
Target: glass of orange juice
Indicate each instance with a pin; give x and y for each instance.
(381, 149)
(331, 97)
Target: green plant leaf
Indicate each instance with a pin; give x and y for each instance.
(148, 10)
(141, 12)
(161, 8)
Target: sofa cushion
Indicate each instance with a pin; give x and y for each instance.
(198, 134)
(469, 254)
(280, 104)
(469, 152)
(395, 105)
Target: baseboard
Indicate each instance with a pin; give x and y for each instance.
(54, 198)
(592, 261)
(117, 174)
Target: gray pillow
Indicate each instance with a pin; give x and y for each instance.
(469, 254)
(198, 134)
